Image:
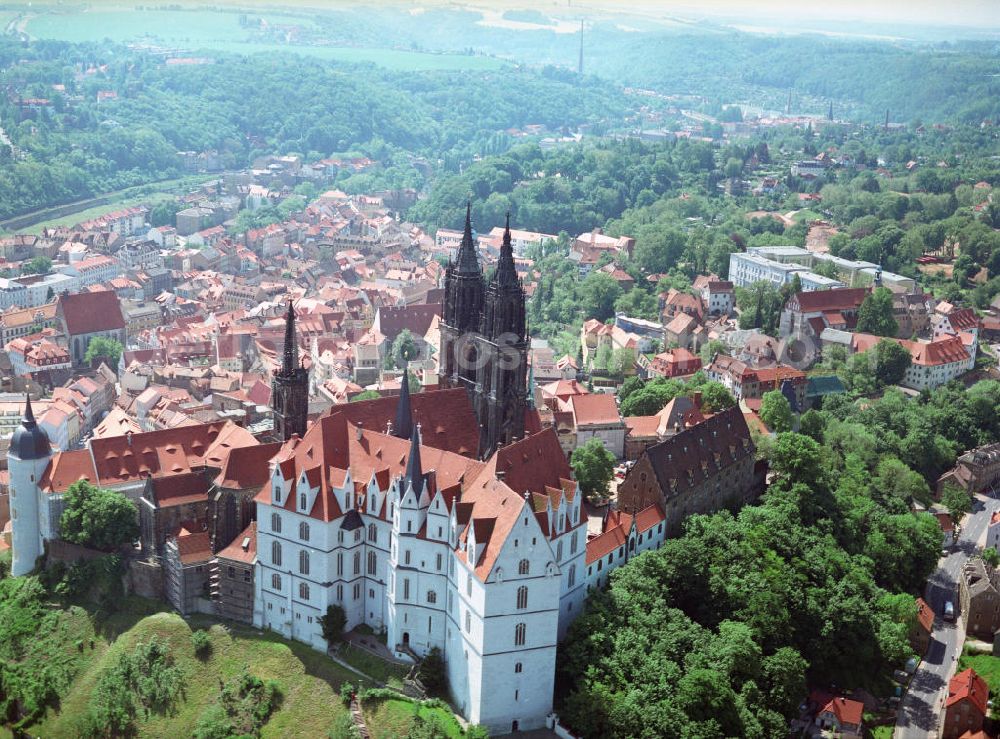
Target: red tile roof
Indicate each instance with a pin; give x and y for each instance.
(846, 710)
(595, 409)
(446, 417)
(67, 468)
(193, 548)
(90, 312)
(925, 615)
(835, 299)
(968, 685)
(943, 351)
(247, 467)
(175, 490)
(532, 464)
(235, 550)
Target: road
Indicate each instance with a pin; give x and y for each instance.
(918, 715)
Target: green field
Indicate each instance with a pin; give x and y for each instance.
(308, 680)
(205, 30)
(390, 719)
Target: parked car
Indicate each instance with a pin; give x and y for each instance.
(949, 611)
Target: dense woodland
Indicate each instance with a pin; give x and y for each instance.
(247, 106)
(717, 633)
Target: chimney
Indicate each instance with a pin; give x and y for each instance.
(500, 475)
(360, 430)
(697, 399)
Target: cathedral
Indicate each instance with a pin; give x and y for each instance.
(484, 341)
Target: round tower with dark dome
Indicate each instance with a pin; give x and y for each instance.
(27, 457)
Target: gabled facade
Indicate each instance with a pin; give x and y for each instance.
(433, 548)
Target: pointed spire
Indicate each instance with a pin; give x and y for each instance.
(28, 421)
(414, 470)
(291, 360)
(466, 260)
(506, 273)
(403, 427)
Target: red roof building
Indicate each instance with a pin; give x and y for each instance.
(966, 706)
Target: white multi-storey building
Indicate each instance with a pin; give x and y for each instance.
(483, 560)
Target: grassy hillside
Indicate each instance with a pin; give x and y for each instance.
(308, 681)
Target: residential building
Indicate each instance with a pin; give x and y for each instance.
(231, 577)
(718, 296)
(185, 571)
(701, 469)
(673, 363)
(979, 596)
(623, 536)
(967, 705)
(976, 471)
(595, 415)
(843, 716)
(922, 628)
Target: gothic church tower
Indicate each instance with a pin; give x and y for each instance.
(484, 341)
(290, 387)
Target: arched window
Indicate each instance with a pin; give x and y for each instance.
(276, 523)
(432, 596)
(468, 622)
(572, 544)
(304, 590)
(523, 567)
(517, 667)
(559, 551)
(276, 581)
(304, 531)
(372, 533)
(304, 562)
(519, 635)
(371, 563)
(522, 597)
(357, 563)
(572, 575)
(302, 501)
(276, 553)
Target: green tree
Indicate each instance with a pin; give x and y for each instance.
(40, 265)
(715, 397)
(957, 501)
(593, 466)
(103, 349)
(875, 314)
(98, 518)
(333, 623)
(432, 672)
(366, 395)
(622, 360)
(404, 349)
(776, 412)
(891, 362)
(598, 294)
(991, 556)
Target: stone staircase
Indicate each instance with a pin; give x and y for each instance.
(359, 719)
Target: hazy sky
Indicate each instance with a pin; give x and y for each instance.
(950, 12)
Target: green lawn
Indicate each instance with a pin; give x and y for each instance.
(220, 31)
(390, 719)
(882, 732)
(307, 678)
(390, 673)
